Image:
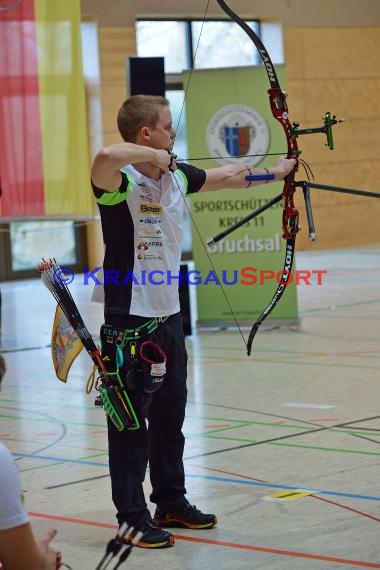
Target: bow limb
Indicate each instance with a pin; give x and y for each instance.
(279, 108)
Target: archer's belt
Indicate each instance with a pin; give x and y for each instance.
(121, 336)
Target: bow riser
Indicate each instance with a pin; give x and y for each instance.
(290, 219)
(279, 108)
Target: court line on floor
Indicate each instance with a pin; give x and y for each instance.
(42, 415)
(244, 423)
(278, 551)
(220, 479)
(318, 427)
(34, 456)
(269, 414)
(224, 544)
(294, 362)
(278, 443)
(278, 440)
(69, 483)
(61, 462)
(284, 487)
(248, 477)
(346, 507)
(291, 352)
(255, 482)
(206, 477)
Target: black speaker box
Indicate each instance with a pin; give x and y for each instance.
(146, 76)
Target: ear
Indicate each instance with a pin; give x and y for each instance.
(145, 133)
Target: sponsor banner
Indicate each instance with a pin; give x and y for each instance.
(235, 119)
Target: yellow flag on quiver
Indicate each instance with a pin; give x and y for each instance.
(65, 345)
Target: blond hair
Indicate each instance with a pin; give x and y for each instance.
(139, 111)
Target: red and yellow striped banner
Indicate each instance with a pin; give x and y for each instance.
(44, 150)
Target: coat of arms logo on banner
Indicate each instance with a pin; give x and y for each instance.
(237, 131)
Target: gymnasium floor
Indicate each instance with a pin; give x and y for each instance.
(282, 446)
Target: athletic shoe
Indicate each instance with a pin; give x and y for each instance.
(187, 517)
(153, 537)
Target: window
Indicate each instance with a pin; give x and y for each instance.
(213, 42)
(204, 44)
(53, 239)
(166, 39)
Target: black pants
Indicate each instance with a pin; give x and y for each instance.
(159, 439)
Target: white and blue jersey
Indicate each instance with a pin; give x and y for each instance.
(142, 228)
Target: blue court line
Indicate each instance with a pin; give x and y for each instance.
(212, 478)
(60, 459)
(278, 486)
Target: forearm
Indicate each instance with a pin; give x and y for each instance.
(105, 172)
(119, 154)
(235, 176)
(253, 176)
(19, 550)
(239, 176)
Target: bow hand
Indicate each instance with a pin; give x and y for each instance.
(283, 167)
(165, 160)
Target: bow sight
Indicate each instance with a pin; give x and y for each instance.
(328, 121)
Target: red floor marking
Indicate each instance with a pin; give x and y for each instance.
(296, 554)
(223, 543)
(345, 507)
(311, 496)
(226, 472)
(69, 519)
(86, 448)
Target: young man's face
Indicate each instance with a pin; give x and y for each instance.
(163, 134)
